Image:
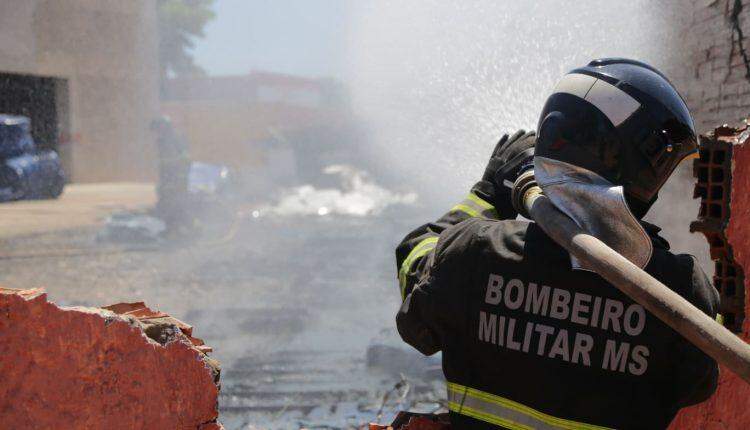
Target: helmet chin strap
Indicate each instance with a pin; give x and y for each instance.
(597, 206)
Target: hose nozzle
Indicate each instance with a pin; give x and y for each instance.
(525, 191)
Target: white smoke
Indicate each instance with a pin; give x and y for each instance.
(440, 81)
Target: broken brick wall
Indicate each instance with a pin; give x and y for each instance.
(713, 74)
(119, 368)
(723, 178)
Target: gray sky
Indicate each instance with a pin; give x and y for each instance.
(289, 36)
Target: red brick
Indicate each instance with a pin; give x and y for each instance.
(85, 368)
(728, 407)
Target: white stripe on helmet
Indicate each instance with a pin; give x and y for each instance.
(614, 103)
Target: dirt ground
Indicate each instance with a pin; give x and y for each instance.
(81, 205)
(289, 304)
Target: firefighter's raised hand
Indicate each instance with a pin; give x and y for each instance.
(510, 157)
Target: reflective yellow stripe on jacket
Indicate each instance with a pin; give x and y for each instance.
(474, 206)
(504, 412)
(422, 248)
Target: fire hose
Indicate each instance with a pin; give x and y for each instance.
(687, 320)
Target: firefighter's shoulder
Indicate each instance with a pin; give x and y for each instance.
(467, 238)
(683, 274)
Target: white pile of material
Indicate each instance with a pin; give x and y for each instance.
(359, 196)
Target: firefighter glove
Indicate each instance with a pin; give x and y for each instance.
(511, 156)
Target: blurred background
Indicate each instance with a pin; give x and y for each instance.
(248, 166)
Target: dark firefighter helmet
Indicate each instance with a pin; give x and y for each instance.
(621, 119)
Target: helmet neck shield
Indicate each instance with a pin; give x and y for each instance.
(597, 206)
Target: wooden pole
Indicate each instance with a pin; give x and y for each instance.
(705, 333)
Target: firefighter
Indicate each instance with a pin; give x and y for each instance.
(172, 190)
(529, 338)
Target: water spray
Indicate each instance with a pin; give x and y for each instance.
(689, 321)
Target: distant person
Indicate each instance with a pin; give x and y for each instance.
(530, 340)
(174, 168)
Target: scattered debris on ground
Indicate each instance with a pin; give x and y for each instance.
(137, 228)
(389, 354)
(413, 421)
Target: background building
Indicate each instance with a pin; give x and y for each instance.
(86, 72)
(272, 129)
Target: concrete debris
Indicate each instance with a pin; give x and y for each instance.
(412, 421)
(389, 354)
(132, 228)
(124, 366)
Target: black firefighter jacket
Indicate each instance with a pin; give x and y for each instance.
(527, 342)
